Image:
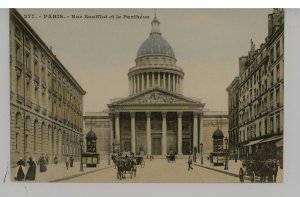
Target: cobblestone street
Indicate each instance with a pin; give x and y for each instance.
(159, 171)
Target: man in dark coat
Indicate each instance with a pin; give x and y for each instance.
(275, 170)
(20, 170)
(71, 162)
(241, 175)
(190, 163)
(31, 170)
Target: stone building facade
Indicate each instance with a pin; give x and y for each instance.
(261, 90)
(45, 100)
(233, 113)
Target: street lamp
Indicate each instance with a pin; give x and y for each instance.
(226, 154)
(201, 149)
(81, 163)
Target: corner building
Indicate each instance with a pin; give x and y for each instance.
(156, 116)
(261, 94)
(45, 100)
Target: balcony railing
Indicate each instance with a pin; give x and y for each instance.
(19, 65)
(50, 114)
(37, 108)
(36, 78)
(28, 103)
(43, 84)
(28, 72)
(20, 98)
(44, 111)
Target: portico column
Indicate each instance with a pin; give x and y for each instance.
(117, 126)
(201, 128)
(169, 81)
(179, 115)
(152, 79)
(138, 82)
(174, 83)
(111, 124)
(158, 79)
(164, 133)
(164, 80)
(147, 75)
(133, 85)
(132, 114)
(179, 86)
(143, 82)
(148, 114)
(195, 133)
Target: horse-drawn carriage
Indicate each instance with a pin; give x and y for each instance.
(261, 168)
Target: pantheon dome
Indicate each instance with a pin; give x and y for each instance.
(155, 65)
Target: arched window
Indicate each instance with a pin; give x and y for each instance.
(35, 135)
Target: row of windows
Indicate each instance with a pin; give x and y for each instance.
(254, 131)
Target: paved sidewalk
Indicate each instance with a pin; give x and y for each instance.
(59, 172)
(233, 168)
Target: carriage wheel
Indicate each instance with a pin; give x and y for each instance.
(142, 164)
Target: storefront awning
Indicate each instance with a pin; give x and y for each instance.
(270, 139)
(254, 142)
(279, 143)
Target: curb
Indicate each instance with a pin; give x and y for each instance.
(221, 171)
(78, 175)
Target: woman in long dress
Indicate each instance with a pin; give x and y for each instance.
(20, 170)
(42, 164)
(31, 170)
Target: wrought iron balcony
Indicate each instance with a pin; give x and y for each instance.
(20, 98)
(19, 65)
(28, 103)
(44, 111)
(28, 72)
(43, 84)
(37, 108)
(36, 78)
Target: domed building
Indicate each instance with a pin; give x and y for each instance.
(156, 116)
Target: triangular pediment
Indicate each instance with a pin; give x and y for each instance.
(157, 96)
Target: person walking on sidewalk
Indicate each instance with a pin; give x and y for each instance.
(71, 162)
(241, 175)
(190, 163)
(67, 162)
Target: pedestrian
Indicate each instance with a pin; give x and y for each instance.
(71, 162)
(31, 170)
(20, 170)
(47, 160)
(252, 176)
(55, 160)
(235, 158)
(67, 162)
(42, 164)
(190, 163)
(241, 175)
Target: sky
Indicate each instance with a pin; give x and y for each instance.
(99, 52)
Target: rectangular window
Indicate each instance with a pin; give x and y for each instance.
(271, 125)
(18, 32)
(18, 52)
(277, 73)
(27, 61)
(271, 100)
(278, 123)
(272, 77)
(36, 68)
(277, 97)
(277, 49)
(272, 55)
(26, 142)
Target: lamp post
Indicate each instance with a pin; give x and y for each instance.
(81, 163)
(201, 151)
(226, 154)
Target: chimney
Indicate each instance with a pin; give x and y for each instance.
(270, 24)
(242, 64)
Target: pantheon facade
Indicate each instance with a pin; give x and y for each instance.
(156, 117)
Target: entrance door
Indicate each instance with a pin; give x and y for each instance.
(186, 146)
(127, 146)
(156, 145)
